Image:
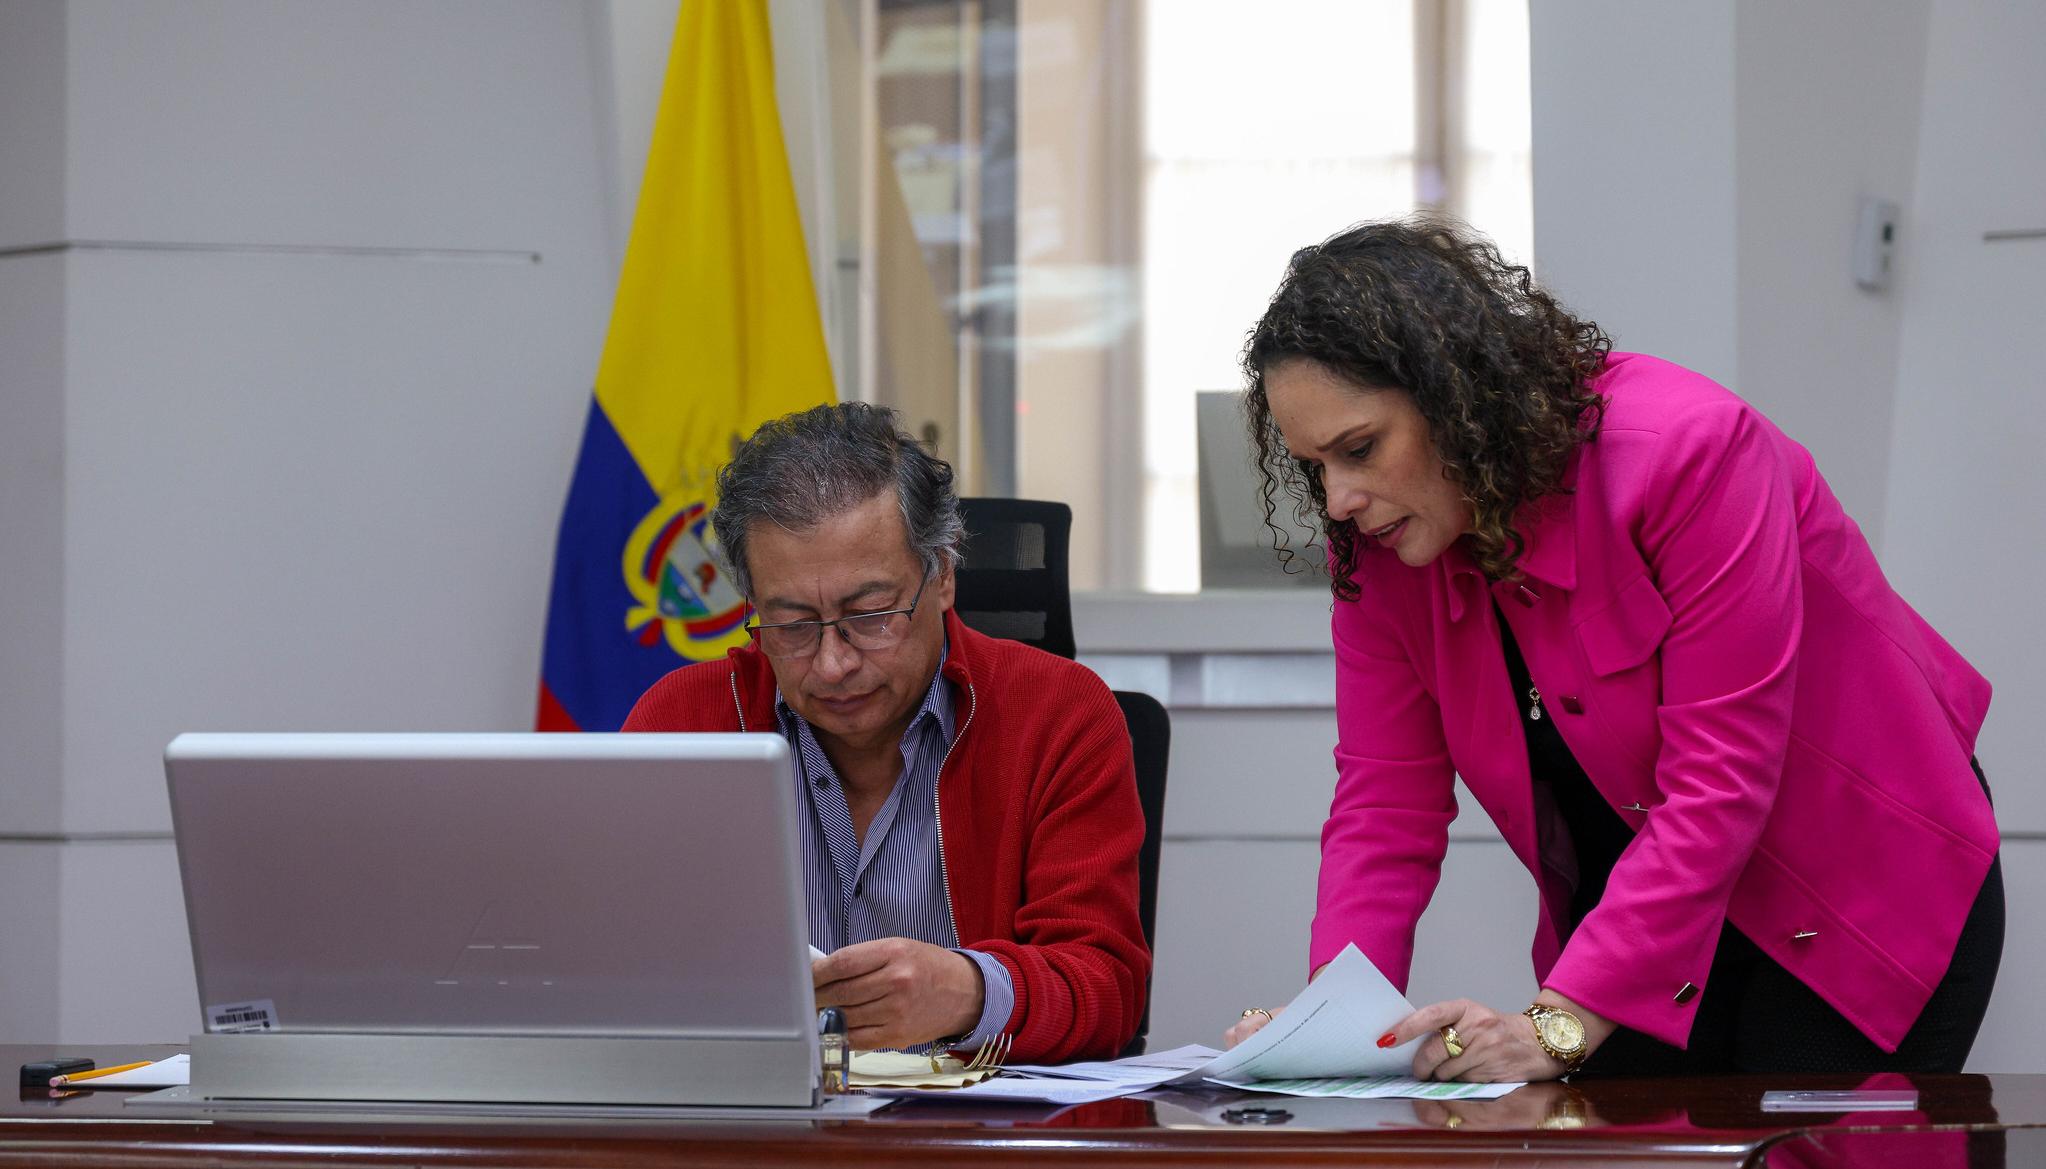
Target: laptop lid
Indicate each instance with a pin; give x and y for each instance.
(493, 884)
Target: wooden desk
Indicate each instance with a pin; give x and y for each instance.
(1714, 1122)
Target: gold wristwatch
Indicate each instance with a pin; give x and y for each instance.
(1569, 1111)
(1560, 1033)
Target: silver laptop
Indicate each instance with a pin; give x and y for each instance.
(505, 885)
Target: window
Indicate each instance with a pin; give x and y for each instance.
(1070, 212)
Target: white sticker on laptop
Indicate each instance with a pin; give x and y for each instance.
(236, 1018)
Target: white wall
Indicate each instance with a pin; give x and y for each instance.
(1634, 195)
(1696, 176)
(1961, 531)
(1826, 110)
(1961, 537)
(639, 34)
(327, 290)
(32, 40)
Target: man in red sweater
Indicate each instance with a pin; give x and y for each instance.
(970, 818)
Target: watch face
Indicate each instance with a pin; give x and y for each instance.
(1563, 1031)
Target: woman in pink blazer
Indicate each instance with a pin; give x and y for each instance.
(1627, 610)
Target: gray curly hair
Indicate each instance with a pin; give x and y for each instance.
(801, 469)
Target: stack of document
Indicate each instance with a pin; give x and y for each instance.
(1074, 1083)
(900, 1069)
(1324, 1043)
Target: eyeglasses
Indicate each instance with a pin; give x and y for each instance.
(862, 631)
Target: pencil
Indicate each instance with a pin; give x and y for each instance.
(96, 1073)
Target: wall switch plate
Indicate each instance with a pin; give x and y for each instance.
(1875, 240)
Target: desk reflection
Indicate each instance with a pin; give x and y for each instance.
(1547, 1105)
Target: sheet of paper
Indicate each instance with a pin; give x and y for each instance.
(164, 1073)
(1375, 1088)
(1325, 1043)
(1154, 1068)
(1073, 1083)
(1331, 1028)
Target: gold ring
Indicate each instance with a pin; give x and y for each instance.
(1257, 1011)
(1452, 1041)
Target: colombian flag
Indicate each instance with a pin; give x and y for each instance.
(714, 331)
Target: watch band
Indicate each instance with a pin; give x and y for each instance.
(1570, 1058)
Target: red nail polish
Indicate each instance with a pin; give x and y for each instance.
(1387, 1040)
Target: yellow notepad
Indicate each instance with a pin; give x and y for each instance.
(899, 1069)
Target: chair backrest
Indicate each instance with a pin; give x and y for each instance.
(1012, 575)
(1151, 743)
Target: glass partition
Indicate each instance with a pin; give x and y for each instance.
(1067, 214)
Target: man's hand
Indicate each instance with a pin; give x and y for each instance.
(898, 993)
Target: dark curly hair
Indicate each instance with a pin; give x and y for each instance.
(1500, 371)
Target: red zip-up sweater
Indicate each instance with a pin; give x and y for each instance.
(1038, 827)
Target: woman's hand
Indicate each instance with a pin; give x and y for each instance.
(1251, 1023)
(1497, 1047)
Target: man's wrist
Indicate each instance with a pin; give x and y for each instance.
(993, 999)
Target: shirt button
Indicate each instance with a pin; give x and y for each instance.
(1572, 704)
(1686, 993)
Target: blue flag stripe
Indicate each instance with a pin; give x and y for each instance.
(596, 668)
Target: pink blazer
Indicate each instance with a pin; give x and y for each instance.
(1788, 739)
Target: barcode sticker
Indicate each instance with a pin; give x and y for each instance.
(235, 1018)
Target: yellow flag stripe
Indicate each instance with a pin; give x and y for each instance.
(715, 328)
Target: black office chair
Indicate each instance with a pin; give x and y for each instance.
(1012, 575)
(1151, 744)
(1013, 583)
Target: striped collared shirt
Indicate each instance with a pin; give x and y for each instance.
(890, 884)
